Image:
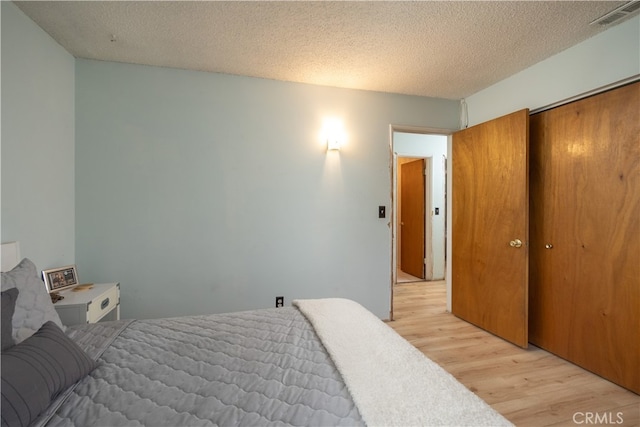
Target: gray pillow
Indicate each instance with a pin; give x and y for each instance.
(33, 306)
(8, 307)
(35, 371)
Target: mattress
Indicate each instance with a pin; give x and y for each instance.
(263, 367)
(326, 362)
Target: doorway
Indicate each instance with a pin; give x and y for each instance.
(410, 148)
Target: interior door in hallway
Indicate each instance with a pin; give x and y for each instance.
(412, 222)
(490, 222)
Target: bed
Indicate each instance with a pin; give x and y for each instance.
(321, 362)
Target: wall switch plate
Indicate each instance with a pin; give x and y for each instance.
(279, 302)
(437, 211)
(382, 212)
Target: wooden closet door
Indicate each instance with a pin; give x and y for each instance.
(585, 234)
(491, 226)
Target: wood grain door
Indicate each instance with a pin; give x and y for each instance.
(412, 211)
(585, 233)
(490, 216)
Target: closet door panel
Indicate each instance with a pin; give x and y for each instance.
(490, 214)
(585, 233)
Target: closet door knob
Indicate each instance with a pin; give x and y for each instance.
(515, 243)
(548, 246)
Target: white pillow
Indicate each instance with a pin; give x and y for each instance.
(33, 306)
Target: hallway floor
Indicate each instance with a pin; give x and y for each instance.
(403, 277)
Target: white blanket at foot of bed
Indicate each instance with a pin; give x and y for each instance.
(391, 381)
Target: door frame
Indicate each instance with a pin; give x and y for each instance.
(392, 217)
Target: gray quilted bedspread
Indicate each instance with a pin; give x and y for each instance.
(254, 368)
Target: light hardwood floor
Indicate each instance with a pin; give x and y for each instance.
(403, 277)
(530, 387)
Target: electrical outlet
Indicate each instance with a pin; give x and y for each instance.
(279, 302)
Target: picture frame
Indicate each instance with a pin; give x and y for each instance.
(61, 278)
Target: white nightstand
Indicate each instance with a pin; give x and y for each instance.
(100, 303)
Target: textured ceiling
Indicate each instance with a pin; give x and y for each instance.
(446, 49)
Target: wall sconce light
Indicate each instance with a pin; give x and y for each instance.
(333, 144)
(333, 134)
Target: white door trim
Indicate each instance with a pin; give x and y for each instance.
(393, 158)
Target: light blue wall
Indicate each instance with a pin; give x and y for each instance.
(435, 147)
(203, 192)
(604, 59)
(38, 177)
(207, 193)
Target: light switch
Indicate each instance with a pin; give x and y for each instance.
(382, 212)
